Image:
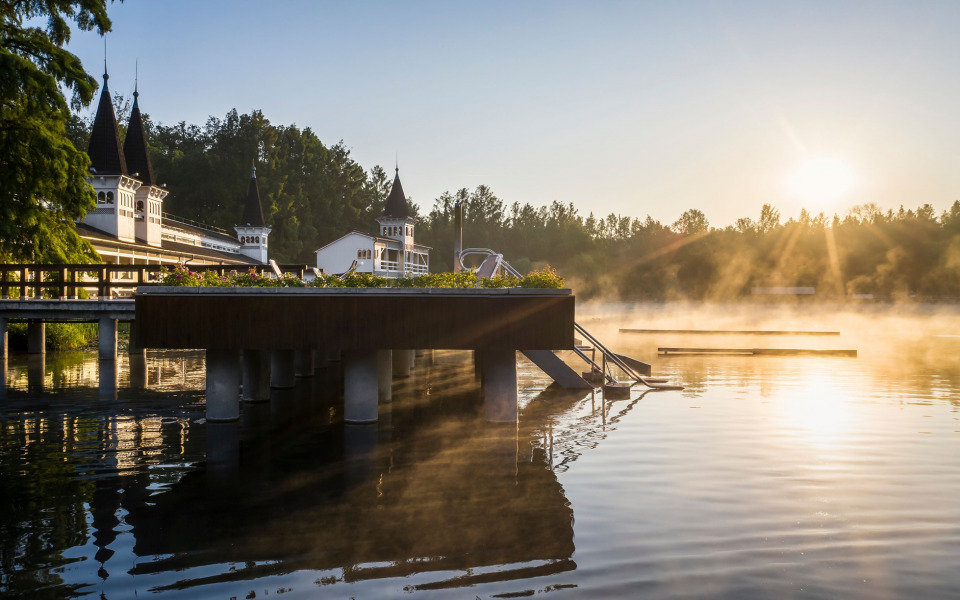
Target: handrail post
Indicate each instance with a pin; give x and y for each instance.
(101, 282)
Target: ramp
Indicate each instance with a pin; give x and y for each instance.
(551, 364)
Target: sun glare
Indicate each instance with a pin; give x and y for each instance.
(820, 181)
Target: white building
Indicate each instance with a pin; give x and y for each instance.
(128, 226)
(391, 254)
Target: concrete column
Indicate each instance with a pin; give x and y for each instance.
(360, 383)
(133, 345)
(498, 384)
(385, 375)
(320, 359)
(402, 362)
(107, 339)
(283, 369)
(3, 340)
(223, 390)
(138, 370)
(304, 363)
(256, 376)
(36, 338)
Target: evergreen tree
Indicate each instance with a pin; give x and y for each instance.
(43, 186)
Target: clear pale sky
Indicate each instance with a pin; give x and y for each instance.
(633, 107)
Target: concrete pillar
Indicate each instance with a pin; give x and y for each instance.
(107, 339)
(133, 344)
(320, 359)
(283, 369)
(36, 338)
(498, 384)
(223, 390)
(402, 362)
(360, 383)
(138, 370)
(385, 375)
(256, 376)
(304, 363)
(3, 340)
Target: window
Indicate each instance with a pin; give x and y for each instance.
(101, 198)
(140, 206)
(109, 197)
(257, 240)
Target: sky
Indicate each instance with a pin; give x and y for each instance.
(635, 108)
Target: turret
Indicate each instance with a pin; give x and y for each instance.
(109, 176)
(252, 232)
(148, 204)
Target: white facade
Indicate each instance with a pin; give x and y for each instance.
(253, 242)
(116, 208)
(149, 211)
(380, 256)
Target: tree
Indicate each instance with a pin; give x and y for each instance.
(43, 186)
(692, 222)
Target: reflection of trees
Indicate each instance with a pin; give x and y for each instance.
(53, 465)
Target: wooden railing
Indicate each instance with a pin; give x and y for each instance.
(66, 282)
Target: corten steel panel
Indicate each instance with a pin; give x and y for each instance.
(355, 321)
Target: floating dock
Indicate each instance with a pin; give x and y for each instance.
(755, 352)
(729, 332)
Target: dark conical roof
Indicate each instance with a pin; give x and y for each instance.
(253, 211)
(135, 149)
(396, 201)
(106, 157)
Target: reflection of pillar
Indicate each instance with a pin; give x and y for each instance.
(402, 362)
(107, 380)
(223, 450)
(304, 363)
(107, 339)
(138, 370)
(283, 369)
(504, 445)
(36, 338)
(256, 375)
(384, 375)
(104, 521)
(320, 359)
(359, 444)
(36, 370)
(223, 393)
(498, 383)
(360, 383)
(133, 343)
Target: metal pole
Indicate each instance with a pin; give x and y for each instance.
(457, 236)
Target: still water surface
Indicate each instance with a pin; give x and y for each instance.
(768, 477)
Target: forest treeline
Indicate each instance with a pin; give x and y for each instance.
(314, 192)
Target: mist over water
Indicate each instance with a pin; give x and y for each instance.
(768, 476)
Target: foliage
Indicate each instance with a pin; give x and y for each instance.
(57, 336)
(43, 186)
(542, 278)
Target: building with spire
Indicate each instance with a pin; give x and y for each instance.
(393, 253)
(129, 226)
(252, 231)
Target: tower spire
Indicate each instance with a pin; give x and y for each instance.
(106, 156)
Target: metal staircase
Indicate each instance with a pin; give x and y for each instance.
(604, 370)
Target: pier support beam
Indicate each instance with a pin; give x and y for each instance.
(304, 363)
(498, 383)
(3, 340)
(360, 386)
(402, 362)
(223, 390)
(385, 375)
(283, 369)
(107, 339)
(133, 344)
(256, 376)
(36, 338)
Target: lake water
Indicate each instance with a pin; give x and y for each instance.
(767, 477)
